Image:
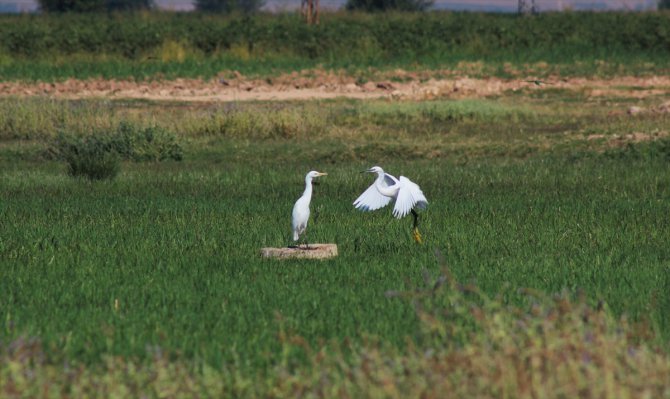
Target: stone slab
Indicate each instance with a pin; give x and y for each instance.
(314, 251)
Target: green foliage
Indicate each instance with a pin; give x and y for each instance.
(72, 5)
(148, 144)
(90, 157)
(651, 150)
(128, 5)
(663, 4)
(282, 123)
(388, 5)
(248, 6)
(43, 118)
(439, 112)
(97, 156)
(339, 38)
(225, 6)
(228, 6)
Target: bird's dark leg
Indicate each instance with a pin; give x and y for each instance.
(306, 242)
(415, 230)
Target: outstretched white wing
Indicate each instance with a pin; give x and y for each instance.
(409, 196)
(372, 199)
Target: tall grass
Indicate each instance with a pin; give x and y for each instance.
(40, 118)
(518, 125)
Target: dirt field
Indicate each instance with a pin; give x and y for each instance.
(322, 85)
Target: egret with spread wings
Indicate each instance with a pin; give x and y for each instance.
(386, 188)
(301, 207)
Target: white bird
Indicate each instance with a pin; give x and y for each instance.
(407, 196)
(301, 207)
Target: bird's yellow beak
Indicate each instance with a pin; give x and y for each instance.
(323, 174)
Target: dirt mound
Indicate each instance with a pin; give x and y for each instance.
(321, 84)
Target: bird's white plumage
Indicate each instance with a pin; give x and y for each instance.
(409, 196)
(300, 217)
(372, 199)
(301, 212)
(386, 188)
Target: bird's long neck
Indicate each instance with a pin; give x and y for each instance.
(308, 188)
(384, 190)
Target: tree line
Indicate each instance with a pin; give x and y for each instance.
(218, 6)
(229, 6)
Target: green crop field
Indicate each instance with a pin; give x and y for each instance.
(165, 258)
(544, 269)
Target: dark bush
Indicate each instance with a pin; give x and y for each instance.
(128, 5)
(386, 5)
(145, 144)
(93, 5)
(88, 157)
(658, 149)
(72, 5)
(228, 6)
(97, 156)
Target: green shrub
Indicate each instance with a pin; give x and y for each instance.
(97, 156)
(227, 6)
(650, 150)
(145, 144)
(90, 156)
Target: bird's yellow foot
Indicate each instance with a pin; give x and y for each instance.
(417, 236)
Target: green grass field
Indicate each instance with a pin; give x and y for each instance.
(165, 258)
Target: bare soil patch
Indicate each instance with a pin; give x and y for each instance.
(319, 84)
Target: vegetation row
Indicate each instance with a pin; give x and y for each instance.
(339, 36)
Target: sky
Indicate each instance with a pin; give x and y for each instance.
(457, 5)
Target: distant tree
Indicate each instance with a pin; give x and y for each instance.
(227, 6)
(387, 5)
(250, 5)
(664, 4)
(72, 5)
(93, 5)
(127, 5)
(224, 6)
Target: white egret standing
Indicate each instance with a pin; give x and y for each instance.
(407, 196)
(301, 207)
